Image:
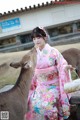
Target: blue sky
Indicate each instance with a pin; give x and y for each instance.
(9, 5)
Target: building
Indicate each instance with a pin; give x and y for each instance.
(61, 19)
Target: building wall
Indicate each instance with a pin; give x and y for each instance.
(45, 16)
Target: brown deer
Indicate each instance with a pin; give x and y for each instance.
(15, 100)
(72, 56)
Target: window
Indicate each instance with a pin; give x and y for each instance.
(25, 38)
(8, 41)
(60, 30)
(78, 26)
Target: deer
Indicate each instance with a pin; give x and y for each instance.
(72, 56)
(15, 100)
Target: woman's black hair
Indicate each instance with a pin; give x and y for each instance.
(38, 32)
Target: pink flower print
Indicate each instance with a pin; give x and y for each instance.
(46, 97)
(50, 76)
(51, 98)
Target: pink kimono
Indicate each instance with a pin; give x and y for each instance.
(47, 97)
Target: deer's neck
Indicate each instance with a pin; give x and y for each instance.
(24, 82)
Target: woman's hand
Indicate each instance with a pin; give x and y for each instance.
(69, 67)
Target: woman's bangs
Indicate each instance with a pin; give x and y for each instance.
(36, 35)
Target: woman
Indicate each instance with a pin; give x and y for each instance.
(47, 96)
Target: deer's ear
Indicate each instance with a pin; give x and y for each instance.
(15, 64)
(28, 64)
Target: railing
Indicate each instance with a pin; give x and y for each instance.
(65, 39)
(67, 36)
(17, 47)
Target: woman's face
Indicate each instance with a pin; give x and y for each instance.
(39, 41)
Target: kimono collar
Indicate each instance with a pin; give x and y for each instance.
(46, 47)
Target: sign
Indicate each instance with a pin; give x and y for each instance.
(11, 24)
(4, 115)
(0, 28)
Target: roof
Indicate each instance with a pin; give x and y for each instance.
(54, 2)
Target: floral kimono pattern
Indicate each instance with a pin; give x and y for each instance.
(47, 96)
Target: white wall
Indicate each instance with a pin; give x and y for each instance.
(48, 16)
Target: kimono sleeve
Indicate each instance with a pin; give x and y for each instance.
(63, 78)
(61, 66)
